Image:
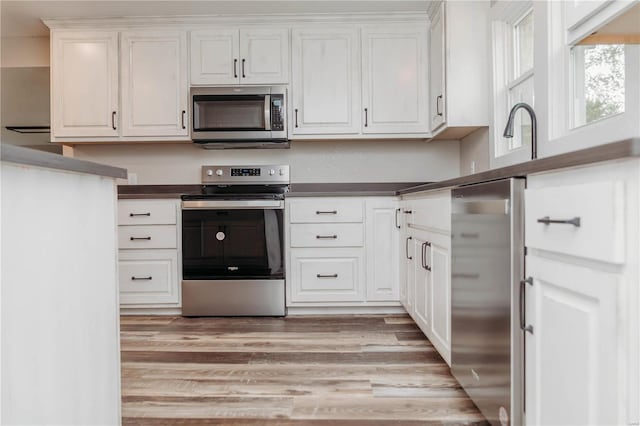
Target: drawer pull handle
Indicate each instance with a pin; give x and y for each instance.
(141, 278)
(139, 214)
(140, 238)
(326, 237)
(547, 221)
(327, 212)
(469, 235)
(407, 212)
(467, 276)
(327, 276)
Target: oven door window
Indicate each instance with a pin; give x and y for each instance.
(232, 244)
(228, 113)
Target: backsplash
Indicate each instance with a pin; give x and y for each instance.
(310, 161)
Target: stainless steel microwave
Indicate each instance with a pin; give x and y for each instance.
(239, 117)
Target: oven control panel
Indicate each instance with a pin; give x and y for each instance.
(238, 175)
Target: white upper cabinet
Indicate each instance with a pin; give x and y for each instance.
(394, 83)
(458, 67)
(154, 83)
(247, 56)
(214, 56)
(84, 84)
(437, 69)
(325, 81)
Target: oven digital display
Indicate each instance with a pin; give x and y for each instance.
(245, 172)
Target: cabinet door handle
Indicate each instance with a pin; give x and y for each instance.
(407, 212)
(406, 248)
(140, 238)
(113, 120)
(366, 117)
(296, 114)
(243, 76)
(327, 275)
(139, 214)
(183, 114)
(235, 68)
(141, 278)
(523, 325)
(547, 221)
(326, 237)
(424, 256)
(397, 222)
(326, 211)
(438, 99)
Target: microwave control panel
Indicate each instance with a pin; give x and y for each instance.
(277, 112)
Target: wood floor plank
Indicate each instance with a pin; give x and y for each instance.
(325, 370)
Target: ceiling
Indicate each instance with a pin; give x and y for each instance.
(21, 18)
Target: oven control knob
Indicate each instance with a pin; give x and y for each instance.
(209, 172)
(281, 172)
(272, 172)
(219, 172)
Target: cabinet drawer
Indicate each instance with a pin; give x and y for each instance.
(600, 210)
(146, 237)
(325, 279)
(325, 210)
(433, 211)
(146, 212)
(327, 235)
(148, 277)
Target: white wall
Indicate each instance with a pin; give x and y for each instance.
(474, 148)
(310, 161)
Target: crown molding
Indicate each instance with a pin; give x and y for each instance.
(232, 20)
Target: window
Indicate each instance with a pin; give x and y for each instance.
(512, 32)
(598, 82)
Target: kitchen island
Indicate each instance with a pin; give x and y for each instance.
(60, 317)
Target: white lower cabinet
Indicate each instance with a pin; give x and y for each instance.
(149, 256)
(342, 251)
(581, 295)
(571, 356)
(425, 266)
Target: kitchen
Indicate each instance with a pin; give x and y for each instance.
(391, 108)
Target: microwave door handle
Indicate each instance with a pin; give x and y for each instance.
(267, 112)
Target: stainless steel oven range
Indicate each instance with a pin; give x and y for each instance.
(233, 242)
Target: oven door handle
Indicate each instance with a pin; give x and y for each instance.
(232, 205)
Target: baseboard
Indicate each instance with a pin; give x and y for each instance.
(150, 311)
(344, 310)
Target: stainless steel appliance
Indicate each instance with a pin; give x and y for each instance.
(233, 242)
(487, 267)
(239, 117)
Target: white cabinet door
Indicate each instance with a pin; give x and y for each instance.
(394, 79)
(148, 277)
(438, 255)
(84, 84)
(422, 278)
(326, 81)
(154, 83)
(410, 255)
(572, 354)
(382, 254)
(215, 56)
(264, 55)
(437, 74)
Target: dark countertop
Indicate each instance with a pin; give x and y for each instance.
(32, 157)
(613, 151)
(349, 189)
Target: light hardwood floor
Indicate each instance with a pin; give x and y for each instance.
(346, 370)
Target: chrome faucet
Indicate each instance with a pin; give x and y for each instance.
(508, 130)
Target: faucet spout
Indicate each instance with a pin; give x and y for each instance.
(508, 130)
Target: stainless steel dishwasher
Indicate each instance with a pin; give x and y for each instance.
(487, 267)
